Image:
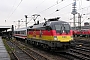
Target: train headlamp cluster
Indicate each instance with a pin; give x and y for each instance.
(71, 37)
(55, 38)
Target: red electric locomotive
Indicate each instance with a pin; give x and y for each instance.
(51, 34)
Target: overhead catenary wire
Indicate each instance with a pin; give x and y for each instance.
(14, 10)
(25, 21)
(46, 8)
(70, 4)
(38, 5)
(32, 10)
(79, 8)
(60, 9)
(11, 8)
(50, 7)
(69, 12)
(82, 8)
(67, 6)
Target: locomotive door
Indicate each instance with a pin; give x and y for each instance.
(34, 33)
(40, 34)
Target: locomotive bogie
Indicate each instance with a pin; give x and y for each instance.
(50, 44)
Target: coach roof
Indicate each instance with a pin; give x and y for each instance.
(20, 29)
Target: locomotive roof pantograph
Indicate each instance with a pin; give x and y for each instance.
(49, 23)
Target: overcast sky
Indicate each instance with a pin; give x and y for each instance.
(13, 10)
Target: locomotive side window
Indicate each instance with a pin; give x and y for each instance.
(48, 28)
(58, 28)
(67, 27)
(42, 28)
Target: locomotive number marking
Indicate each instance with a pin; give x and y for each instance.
(64, 37)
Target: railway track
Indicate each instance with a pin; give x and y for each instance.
(18, 53)
(80, 52)
(32, 52)
(83, 43)
(77, 53)
(82, 39)
(47, 54)
(82, 48)
(21, 52)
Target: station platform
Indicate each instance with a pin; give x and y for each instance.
(3, 52)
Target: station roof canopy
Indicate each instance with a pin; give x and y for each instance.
(3, 28)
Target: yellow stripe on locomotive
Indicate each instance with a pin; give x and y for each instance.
(52, 38)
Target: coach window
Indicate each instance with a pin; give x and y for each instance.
(15, 32)
(21, 32)
(25, 32)
(18, 32)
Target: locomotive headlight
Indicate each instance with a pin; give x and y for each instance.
(55, 38)
(71, 36)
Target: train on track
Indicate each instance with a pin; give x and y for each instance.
(53, 33)
(82, 32)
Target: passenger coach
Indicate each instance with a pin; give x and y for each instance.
(21, 33)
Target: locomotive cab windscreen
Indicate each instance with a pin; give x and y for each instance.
(62, 28)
